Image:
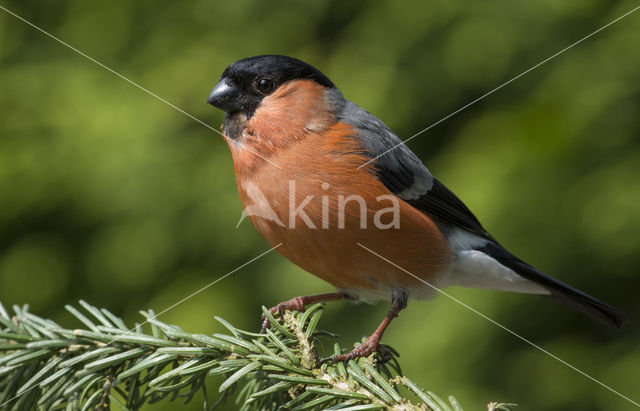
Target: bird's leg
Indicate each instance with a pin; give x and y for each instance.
(299, 303)
(399, 297)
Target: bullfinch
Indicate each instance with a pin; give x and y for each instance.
(338, 193)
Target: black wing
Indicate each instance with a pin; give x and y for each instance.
(441, 203)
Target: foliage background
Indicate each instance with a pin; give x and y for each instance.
(109, 195)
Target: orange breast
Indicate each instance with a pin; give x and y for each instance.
(319, 173)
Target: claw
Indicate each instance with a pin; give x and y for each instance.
(326, 360)
(385, 353)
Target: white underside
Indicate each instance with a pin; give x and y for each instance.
(475, 269)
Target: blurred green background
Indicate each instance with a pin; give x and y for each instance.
(109, 195)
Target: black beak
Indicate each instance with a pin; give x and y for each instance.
(225, 96)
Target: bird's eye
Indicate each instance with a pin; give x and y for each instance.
(264, 85)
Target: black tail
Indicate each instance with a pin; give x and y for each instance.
(560, 291)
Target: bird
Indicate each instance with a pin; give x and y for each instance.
(340, 195)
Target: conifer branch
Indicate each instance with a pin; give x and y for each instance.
(105, 365)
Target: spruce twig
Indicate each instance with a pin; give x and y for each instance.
(105, 365)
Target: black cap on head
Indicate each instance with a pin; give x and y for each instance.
(245, 82)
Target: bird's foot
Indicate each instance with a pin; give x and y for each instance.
(294, 304)
(364, 349)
